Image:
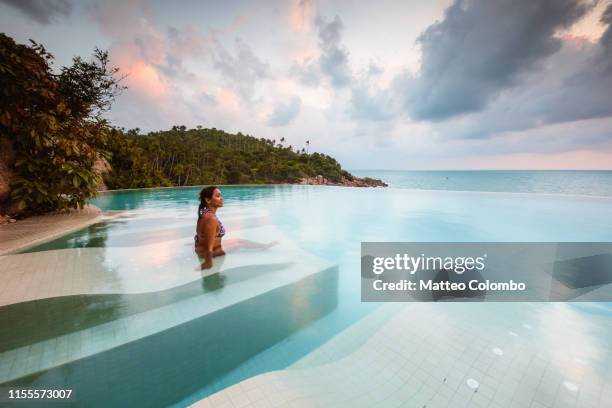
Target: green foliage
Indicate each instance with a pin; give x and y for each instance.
(130, 165)
(53, 124)
(89, 87)
(198, 156)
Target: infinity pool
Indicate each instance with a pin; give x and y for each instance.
(121, 313)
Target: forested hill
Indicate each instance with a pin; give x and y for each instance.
(55, 141)
(203, 156)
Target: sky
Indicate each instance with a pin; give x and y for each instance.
(473, 84)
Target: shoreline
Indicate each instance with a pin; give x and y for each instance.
(226, 185)
(36, 230)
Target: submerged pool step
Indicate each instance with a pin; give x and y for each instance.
(297, 266)
(107, 270)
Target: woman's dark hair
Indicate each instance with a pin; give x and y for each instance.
(207, 192)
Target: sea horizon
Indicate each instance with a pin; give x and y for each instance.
(509, 170)
(597, 183)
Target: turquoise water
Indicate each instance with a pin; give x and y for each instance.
(156, 227)
(592, 183)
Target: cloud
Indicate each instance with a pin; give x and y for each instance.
(41, 11)
(188, 42)
(368, 100)
(164, 85)
(285, 113)
(241, 70)
(307, 72)
(370, 103)
(121, 19)
(207, 98)
(481, 48)
(572, 87)
(146, 81)
(180, 45)
(332, 61)
(135, 36)
(606, 39)
(334, 57)
(301, 15)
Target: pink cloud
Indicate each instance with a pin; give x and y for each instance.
(228, 100)
(145, 80)
(153, 60)
(301, 15)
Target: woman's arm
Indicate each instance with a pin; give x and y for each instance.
(208, 231)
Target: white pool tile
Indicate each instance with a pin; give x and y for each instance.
(403, 363)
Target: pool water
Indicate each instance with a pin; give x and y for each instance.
(126, 298)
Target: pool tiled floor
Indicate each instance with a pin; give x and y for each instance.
(438, 355)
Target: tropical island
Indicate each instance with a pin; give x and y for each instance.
(57, 150)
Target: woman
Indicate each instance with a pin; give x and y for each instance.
(210, 230)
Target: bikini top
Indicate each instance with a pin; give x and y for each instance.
(221, 227)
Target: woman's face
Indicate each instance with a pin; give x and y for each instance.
(216, 200)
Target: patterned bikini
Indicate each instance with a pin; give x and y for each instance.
(221, 227)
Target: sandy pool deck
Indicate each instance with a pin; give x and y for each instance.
(41, 228)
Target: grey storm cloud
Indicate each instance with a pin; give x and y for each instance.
(41, 11)
(242, 70)
(334, 57)
(480, 48)
(606, 39)
(333, 60)
(285, 113)
(574, 85)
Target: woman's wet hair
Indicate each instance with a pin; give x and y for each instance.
(207, 192)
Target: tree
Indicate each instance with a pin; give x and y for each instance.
(89, 88)
(53, 125)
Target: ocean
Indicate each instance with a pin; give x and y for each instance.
(572, 182)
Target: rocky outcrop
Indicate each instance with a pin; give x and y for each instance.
(101, 167)
(346, 182)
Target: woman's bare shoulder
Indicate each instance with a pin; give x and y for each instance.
(208, 218)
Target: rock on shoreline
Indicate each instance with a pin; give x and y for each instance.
(355, 182)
